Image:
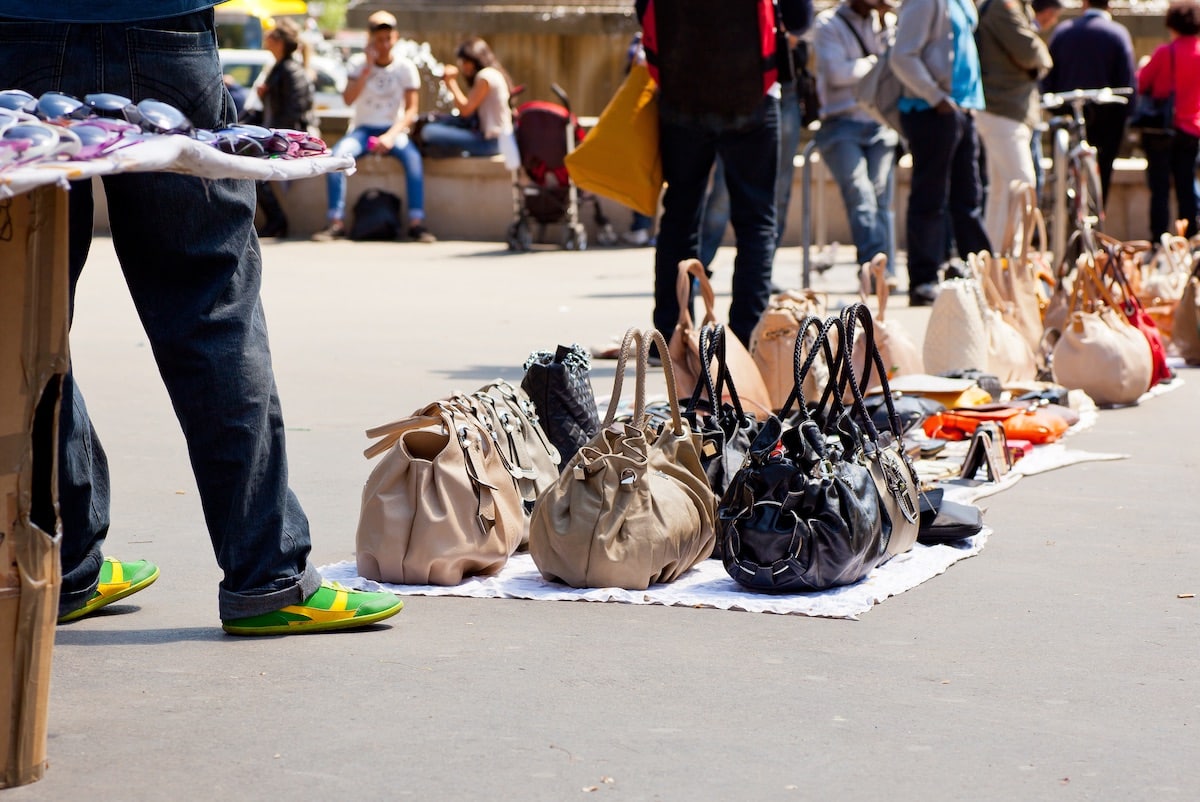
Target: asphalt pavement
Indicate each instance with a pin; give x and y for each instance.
(1060, 663)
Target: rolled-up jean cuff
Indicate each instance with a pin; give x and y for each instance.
(243, 605)
(72, 601)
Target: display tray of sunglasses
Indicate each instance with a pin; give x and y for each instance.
(172, 153)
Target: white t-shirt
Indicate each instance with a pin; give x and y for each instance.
(495, 118)
(382, 99)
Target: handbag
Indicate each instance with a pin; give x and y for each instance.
(441, 505)
(560, 388)
(1098, 351)
(512, 423)
(685, 344)
(1016, 277)
(1156, 115)
(1137, 316)
(897, 349)
(803, 514)
(773, 344)
(1186, 333)
(633, 507)
(619, 157)
(1025, 420)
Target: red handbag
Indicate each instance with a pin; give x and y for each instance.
(1137, 315)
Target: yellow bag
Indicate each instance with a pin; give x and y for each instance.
(619, 157)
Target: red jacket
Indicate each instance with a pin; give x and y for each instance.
(1159, 78)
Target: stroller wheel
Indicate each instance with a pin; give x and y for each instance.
(520, 238)
(575, 238)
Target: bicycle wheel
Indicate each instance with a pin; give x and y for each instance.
(1085, 189)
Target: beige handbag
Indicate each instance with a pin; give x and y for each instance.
(1015, 276)
(773, 345)
(1185, 334)
(633, 507)
(1099, 352)
(441, 505)
(896, 348)
(685, 346)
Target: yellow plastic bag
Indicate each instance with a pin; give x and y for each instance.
(619, 157)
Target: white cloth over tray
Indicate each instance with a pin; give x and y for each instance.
(170, 154)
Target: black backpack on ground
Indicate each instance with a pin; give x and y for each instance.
(376, 216)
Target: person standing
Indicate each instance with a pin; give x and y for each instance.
(287, 101)
(859, 151)
(1094, 51)
(192, 263)
(1171, 157)
(936, 60)
(1012, 58)
(384, 90)
(710, 107)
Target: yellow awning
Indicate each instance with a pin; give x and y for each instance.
(265, 8)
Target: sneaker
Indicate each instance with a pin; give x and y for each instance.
(419, 233)
(922, 294)
(117, 580)
(330, 607)
(335, 230)
(639, 237)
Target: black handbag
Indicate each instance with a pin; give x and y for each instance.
(726, 431)
(1155, 115)
(803, 514)
(561, 390)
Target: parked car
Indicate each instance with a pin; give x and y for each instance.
(247, 67)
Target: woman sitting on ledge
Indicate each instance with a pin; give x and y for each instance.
(484, 115)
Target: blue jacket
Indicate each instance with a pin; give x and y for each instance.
(1090, 52)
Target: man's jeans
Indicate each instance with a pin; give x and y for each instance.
(716, 208)
(1171, 160)
(945, 184)
(354, 144)
(448, 136)
(861, 156)
(191, 260)
(750, 154)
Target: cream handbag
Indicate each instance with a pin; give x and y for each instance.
(773, 345)
(899, 352)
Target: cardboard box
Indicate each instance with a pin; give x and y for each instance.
(33, 359)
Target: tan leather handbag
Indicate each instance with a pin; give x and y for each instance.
(1186, 331)
(441, 505)
(773, 345)
(1099, 352)
(633, 507)
(685, 345)
(899, 352)
(1019, 274)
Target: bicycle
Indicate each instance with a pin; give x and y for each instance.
(1073, 185)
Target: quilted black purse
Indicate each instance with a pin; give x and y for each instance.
(561, 391)
(804, 514)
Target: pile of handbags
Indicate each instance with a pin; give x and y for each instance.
(806, 497)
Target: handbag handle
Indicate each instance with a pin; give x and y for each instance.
(638, 343)
(689, 269)
(651, 338)
(712, 348)
(801, 363)
(852, 316)
(631, 343)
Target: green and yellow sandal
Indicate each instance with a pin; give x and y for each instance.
(330, 607)
(117, 580)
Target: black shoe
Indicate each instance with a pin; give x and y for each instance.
(418, 233)
(955, 269)
(335, 230)
(275, 229)
(922, 295)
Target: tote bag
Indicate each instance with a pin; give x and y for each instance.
(619, 157)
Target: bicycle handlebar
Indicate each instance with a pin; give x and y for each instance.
(1105, 95)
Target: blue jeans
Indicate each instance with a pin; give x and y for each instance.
(945, 186)
(191, 261)
(354, 144)
(460, 138)
(861, 156)
(716, 209)
(750, 154)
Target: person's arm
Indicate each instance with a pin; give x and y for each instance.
(1148, 75)
(466, 104)
(1008, 23)
(912, 34)
(839, 56)
(404, 120)
(358, 80)
(1125, 69)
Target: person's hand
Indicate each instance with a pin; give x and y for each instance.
(384, 142)
(449, 72)
(946, 106)
(261, 89)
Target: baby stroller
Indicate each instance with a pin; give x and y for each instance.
(542, 190)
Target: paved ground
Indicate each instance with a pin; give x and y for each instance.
(1059, 664)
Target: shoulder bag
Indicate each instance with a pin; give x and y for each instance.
(560, 388)
(773, 343)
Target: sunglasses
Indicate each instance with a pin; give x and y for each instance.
(58, 107)
(154, 116)
(41, 142)
(17, 100)
(100, 137)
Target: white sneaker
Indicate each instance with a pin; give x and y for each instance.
(639, 237)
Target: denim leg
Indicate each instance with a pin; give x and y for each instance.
(881, 167)
(455, 137)
(353, 144)
(966, 191)
(194, 279)
(789, 143)
(687, 156)
(716, 216)
(751, 158)
(932, 138)
(1183, 175)
(414, 179)
(846, 149)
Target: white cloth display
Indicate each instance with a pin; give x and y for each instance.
(170, 154)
